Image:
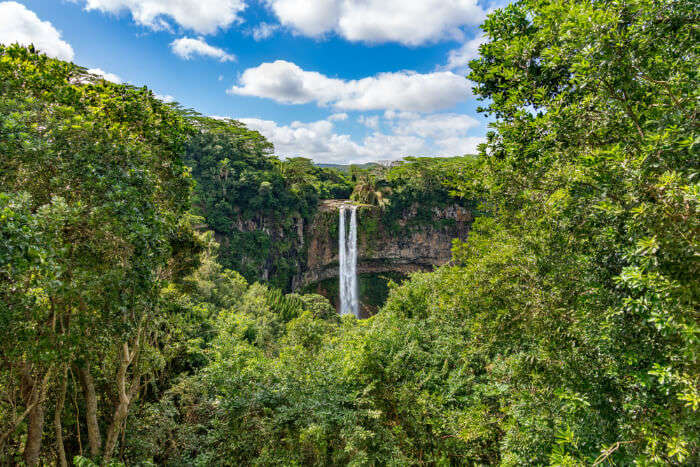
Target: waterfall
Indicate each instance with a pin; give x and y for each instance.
(347, 255)
(342, 259)
(352, 263)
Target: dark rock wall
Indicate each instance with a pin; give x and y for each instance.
(404, 246)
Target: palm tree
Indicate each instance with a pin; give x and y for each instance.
(369, 191)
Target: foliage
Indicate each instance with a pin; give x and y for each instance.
(414, 187)
(368, 190)
(193, 417)
(94, 193)
(253, 201)
(564, 331)
(592, 168)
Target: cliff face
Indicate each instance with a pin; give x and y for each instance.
(417, 241)
(295, 253)
(264, 248)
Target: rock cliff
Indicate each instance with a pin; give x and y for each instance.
(413, 242)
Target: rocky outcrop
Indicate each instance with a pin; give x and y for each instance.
(414, 242)
(295, 253)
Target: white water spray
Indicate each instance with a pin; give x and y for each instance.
(347, 255)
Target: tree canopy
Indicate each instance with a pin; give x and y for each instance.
(564, 331)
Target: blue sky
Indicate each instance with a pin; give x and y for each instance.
(334, 80)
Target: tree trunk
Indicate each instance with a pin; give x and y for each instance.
(35, 430)
(113, 432)
(60, 449)
(93, 428)
(126, 395)
(33, 392)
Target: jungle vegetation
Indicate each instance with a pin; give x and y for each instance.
(564, 331)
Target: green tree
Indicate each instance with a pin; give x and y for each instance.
(368, 190)
(594, 155)
(97, 173)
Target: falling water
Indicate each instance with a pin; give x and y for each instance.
(342, 259)
(347, 246)
(352, 262)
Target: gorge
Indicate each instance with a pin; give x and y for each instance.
(278, 222)
(389, 245)
(419, 240)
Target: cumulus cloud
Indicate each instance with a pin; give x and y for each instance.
(21, 25)
(369, 122)
(460, 146)
(187, 47)
(378, 21)
(264, 30)
(339, 117)
(391, 137)
(307, 17)
(286, 82)
(104, 75)
(202, 16)
(318, 141)
(165, 98)
(458, 59)
(436, 126)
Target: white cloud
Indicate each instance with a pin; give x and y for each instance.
(187, 47)
(307, 17)
(412, 22)
(410, 135)
(165, 98)
(317, 141)
(406, 90)
(264, 30)
(339, 117)
(369, 122)
(436, 126)
(458, 59)
(202, 16)
(286, 82)
(392, 114)
(21, 25)
(460, 146)
(104, 75)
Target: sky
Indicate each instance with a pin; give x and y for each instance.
(338, 81)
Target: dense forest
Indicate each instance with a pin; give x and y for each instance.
(147, 315)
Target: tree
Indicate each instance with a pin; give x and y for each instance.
(594, 149)
(97, 173)
(368, 191)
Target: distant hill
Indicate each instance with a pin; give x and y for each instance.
(387, 163)
(346, 167)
